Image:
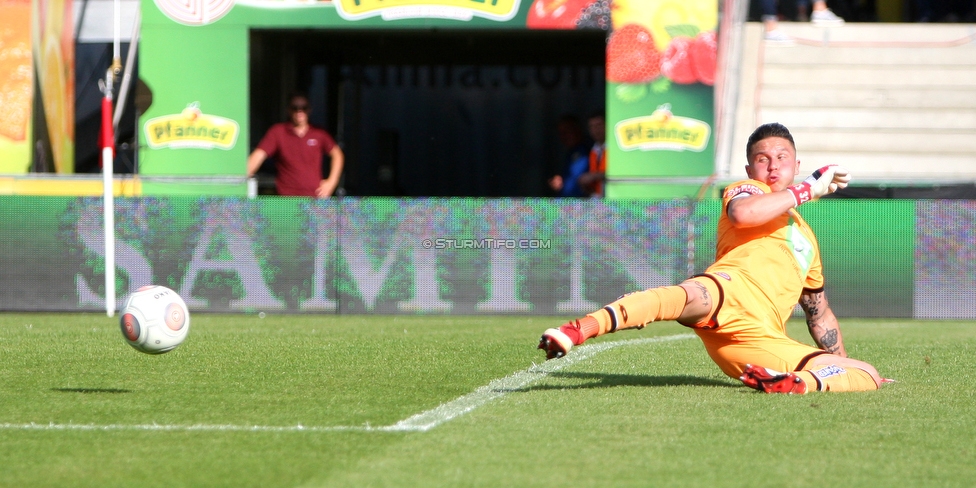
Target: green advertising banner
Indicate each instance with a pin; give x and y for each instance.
(197, 73)
(198, 78)
(892, 258)
(661, 61)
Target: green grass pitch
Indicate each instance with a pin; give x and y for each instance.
(335, 401)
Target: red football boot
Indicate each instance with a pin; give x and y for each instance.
(771, 381)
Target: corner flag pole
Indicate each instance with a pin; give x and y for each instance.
(107, 143)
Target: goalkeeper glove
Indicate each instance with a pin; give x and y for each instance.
(823, 181)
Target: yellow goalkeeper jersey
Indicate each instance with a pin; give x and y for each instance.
(763, 269)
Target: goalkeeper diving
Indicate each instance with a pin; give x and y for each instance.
(767, 261)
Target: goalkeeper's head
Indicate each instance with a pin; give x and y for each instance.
(771, 155)
(772, 129)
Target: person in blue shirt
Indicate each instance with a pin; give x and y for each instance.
(576, 159)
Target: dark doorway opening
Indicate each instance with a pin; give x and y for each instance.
(433, 112)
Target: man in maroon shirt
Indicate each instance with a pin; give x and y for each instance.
(298, 149)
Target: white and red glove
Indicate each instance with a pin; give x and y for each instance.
(823, 181)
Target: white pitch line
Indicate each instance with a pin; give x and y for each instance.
(190, 428)
(421, 422)
(448, 411)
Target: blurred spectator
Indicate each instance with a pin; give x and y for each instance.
(298, 149)
(945, 11)
(592, 181)
(820, 16)
(575, 159)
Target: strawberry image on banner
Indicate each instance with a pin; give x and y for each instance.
(632, 56)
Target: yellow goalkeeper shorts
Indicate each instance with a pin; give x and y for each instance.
(735, 336)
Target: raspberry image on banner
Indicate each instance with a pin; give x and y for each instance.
(703, 53)
(632, 56)
(676, 64)
(689, 60)
(595, 16)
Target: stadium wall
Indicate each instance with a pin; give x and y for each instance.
(882, 258)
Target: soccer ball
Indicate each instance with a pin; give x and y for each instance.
(155, 320)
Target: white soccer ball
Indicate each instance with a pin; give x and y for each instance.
(155, 320)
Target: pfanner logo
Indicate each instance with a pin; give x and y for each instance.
(500, 10)
(662, 131)
(191, 128)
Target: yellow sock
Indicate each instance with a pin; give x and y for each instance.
(636, 310)
(836, 378)
(808, 380)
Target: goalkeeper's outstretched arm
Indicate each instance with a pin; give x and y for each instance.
(822, 322)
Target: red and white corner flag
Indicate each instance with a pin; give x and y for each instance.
(106, 137)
